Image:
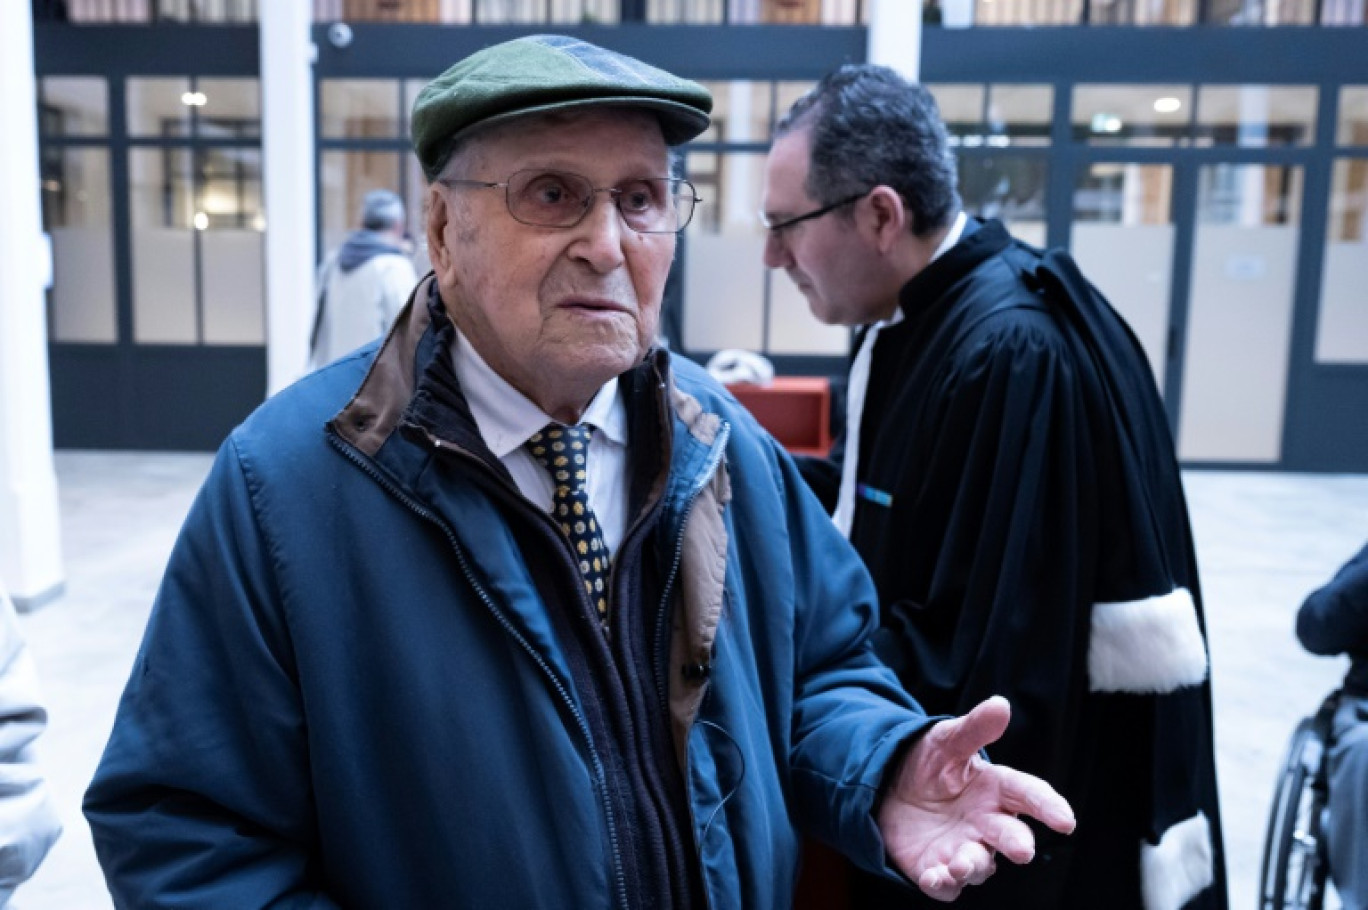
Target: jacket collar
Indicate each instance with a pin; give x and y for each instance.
(980, 241)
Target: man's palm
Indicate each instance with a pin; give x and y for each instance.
(949, 812)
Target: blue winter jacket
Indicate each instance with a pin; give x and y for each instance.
(350, 693)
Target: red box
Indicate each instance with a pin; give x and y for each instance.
(795, 409)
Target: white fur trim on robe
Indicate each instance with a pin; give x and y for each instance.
(1147, 646)
(1179, 867)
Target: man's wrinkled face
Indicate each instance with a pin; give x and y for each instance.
(556, 312)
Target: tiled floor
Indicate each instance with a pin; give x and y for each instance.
(1264, 541)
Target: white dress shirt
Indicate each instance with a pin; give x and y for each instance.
(507, 418)
(858, 387)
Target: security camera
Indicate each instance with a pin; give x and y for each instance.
(339, 35)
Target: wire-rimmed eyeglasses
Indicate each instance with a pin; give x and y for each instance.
(775, 227)
(559, 199)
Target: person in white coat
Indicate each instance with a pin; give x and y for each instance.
(28, 821)
(365, 283)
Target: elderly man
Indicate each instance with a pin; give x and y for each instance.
(1009, 479)
(517, 611)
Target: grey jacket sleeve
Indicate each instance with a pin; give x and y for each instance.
(28, 821)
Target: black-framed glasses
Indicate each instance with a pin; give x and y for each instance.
(776, 226)
(559, 199)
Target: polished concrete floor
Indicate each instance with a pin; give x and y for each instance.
(1264, 541)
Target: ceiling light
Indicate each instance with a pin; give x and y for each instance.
(193, 99)
(1105, 123)
(1167, 105)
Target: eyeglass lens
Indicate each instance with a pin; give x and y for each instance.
(559, 199)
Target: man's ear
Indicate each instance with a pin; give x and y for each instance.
(886, 217)
(438, 214)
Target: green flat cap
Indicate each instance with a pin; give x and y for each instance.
(546, 73)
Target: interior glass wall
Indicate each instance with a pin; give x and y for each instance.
(1342, 320)
(195, 212)
(73, 117)
(364, 126)
(199, 12)
(1001, 135)
(1122, 238)
(1240, 313)
(1242, 13)
(1138, 116)
(1256, 116)
(594, 12)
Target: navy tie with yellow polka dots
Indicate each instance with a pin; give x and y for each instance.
(564, 451)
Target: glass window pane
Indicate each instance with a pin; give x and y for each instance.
(741, 112)
(585, 12)
(98, 11)
(162, 207)
(787, 12)
(693, 12)
(361, 108)
(1009, 188)
(724, 290)
(1020, 114)
(75, 186)
(1353, 115)
(345, 180)
(198, 11)
(495, 12)
(159, 106)
(1122, 238)
(1016, 12)
(1342, 329)
(231, 108)
(74, 106)
(1344, 12)
(1143, 12)
(1138, 115)
(1240, 313)
(411, 89)
(1258, 12)
(1256, 116)
(231, 247)
(961, 107)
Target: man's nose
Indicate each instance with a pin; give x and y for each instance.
(776, 251)
(601, 230)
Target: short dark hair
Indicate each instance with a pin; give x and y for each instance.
(872, 127)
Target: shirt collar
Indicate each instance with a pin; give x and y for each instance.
(507, 418)
(951, 238)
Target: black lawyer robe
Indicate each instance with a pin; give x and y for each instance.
(1017, 471)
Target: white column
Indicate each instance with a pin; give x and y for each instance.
(30, 527)
(895, 35)
(287, 150)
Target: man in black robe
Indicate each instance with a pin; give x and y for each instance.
(1008, 474)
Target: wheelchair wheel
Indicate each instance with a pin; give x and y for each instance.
(1293, 872)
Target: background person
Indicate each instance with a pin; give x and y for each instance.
(365, 283)
(513, 610)
(1334, 620)
(1008, 476)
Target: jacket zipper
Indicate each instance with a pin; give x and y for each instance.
(704, 478)
(662, 657)
(600, 777)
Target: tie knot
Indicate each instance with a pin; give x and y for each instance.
(563, 451)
